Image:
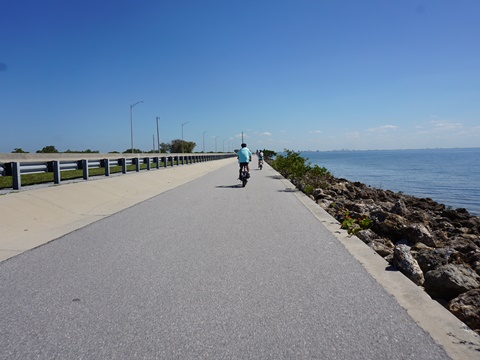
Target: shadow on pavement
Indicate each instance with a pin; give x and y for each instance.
(288, 190)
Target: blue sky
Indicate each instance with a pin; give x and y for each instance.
(301, 75)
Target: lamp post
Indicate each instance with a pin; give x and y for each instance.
(131, 122)
(204, 140)
(158, 136)
(186, 122)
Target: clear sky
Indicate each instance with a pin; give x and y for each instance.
(295, 74)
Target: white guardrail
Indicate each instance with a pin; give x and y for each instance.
(31, 165)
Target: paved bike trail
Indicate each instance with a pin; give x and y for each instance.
(208, 270)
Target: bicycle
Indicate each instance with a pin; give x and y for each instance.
(260, 164)
(244, 175)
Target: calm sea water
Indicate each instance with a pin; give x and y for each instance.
(448, 176)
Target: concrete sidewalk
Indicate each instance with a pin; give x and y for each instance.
(36, 216)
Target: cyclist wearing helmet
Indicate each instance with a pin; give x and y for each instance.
(244, 157)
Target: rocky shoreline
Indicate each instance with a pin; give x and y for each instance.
(437, 247)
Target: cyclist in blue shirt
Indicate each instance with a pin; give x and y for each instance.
(244, 157)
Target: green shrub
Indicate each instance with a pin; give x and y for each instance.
(269, 154)
(297, 169)
(353, 226)
(292, 165)
(308, 189)
(318, 177)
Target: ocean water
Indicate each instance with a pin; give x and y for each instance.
(448, 176)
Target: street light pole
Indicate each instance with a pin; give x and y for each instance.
(158, 136)
(204, 140)
(131, 122)
(182, 134)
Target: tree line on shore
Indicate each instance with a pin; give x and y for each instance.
(175, 146)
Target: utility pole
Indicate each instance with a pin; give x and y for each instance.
(131, 121)
(204, 140)
(158, 136)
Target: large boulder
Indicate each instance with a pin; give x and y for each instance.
(399, 208)
(431, 259)
(406, 263)
(449, 281)
(391, 225)
(367, 235)
(382, 247)
(463, 243)
(419, 233)
(467, 308)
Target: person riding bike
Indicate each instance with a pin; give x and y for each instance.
(244, 156)
(260, 158)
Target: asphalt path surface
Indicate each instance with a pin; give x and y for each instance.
(208, 270)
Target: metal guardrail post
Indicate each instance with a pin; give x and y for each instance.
(56, 172)
(137, 164)
(16, 179)
(157, 162)
(123, 162)
(106, 164)
(164, 160)
(85, 169)
(147, 160)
